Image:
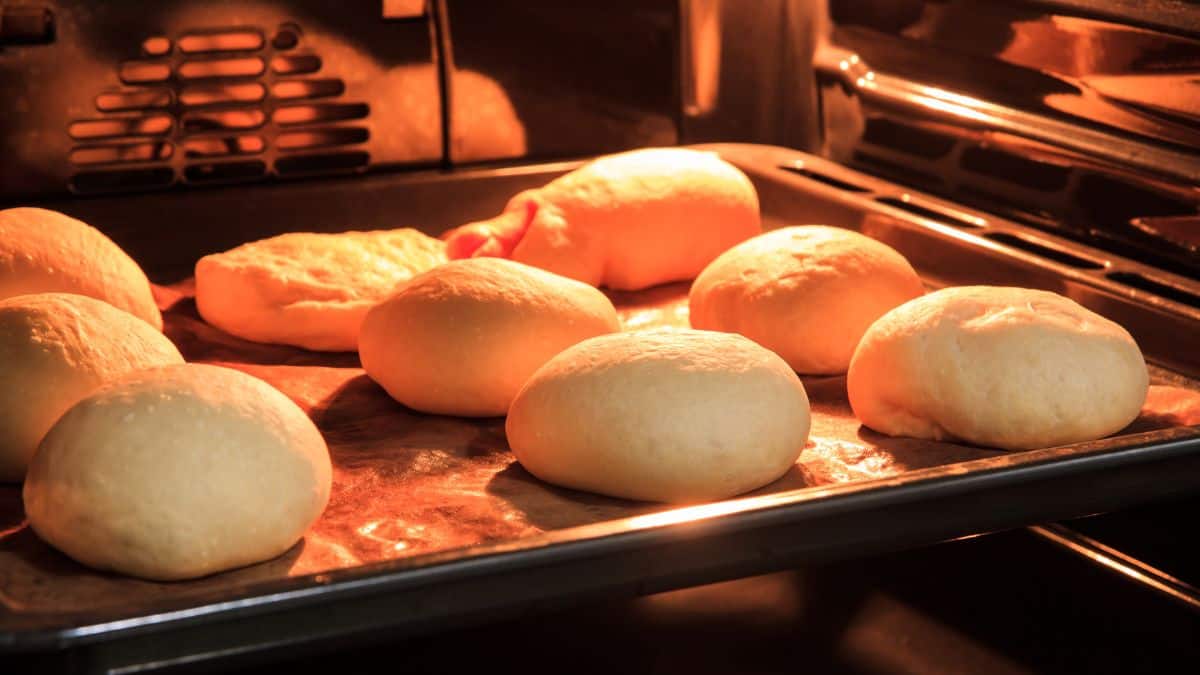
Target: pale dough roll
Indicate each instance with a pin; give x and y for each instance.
(674, 415)
(462, 338)
(55, 348)
(45, 251)
(626, 221)
(807, 293)
(1005, 367)
(178, 472)
(306, 289)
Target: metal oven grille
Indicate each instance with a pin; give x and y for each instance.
(218, 105)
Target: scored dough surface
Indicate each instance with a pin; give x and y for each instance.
(44, 251)
(1005, 367)
(178, 472)
(808, 293)
(673, 415)
(55, 348)
(307, 289)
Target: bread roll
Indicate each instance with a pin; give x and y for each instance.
(626, 221)
(178, 472)
(309, 290)
(45, 251)
(1005, 367)
(674, 415)
(462, 338)
(806, 293)
(55, 348)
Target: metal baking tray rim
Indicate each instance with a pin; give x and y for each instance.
(688, 522)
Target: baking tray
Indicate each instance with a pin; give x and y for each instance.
(433, 524)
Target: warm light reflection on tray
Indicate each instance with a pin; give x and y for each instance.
(407, 484)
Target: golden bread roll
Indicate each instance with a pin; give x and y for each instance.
(55, 349)
(1010, 368)
(462, 338)
(45, 251)
(306, 289)
(178, 472)
(673, 415)
(626, 221)
(807, 293)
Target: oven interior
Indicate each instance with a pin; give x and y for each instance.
(1044, 144)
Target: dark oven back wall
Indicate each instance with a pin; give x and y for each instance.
(130, 97)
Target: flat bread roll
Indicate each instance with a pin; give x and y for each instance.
(673, 415)
(55, 348)
(178, 472)
(306, 289)
(462, 338)
(626, 221)
(45, 251)
(807, 293)
(1010, 368)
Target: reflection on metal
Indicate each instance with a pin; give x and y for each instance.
(404, 9)
(933, 101)
(1081, 125)
(701, 76)
(1131, 568)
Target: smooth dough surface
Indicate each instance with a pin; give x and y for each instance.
(44, 251)
(807, 293)
(462, 338)
(306, 289)
(178, 472)
(626, 221)
(55, 348)
(673, 415)
(1005, 367)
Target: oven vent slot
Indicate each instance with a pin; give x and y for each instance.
(121, 152)
(214, 106)
(901, 173)
(825, 178)
(963, 220)
(906, 138)
(1138, 281)
(1015, 170)
(226, 172)
(322, 138)
(136, 99)
(1051, 253)
(308, 165)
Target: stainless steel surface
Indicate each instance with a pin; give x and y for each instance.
(1072, 117)
(955, 245)
(1121, 563)
(963, 111)
(746, 72)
